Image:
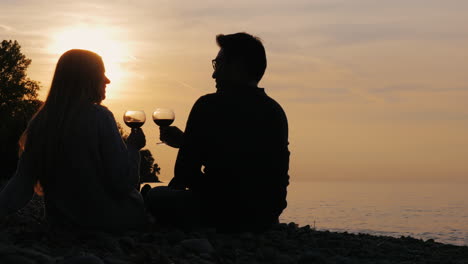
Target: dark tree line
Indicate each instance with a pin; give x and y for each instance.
(149, 170)
(18, 103)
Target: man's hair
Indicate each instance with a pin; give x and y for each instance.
(246, 49)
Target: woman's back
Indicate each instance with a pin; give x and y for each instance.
(95, 177)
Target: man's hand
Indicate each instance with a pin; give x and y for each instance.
(171, 135)
(137, 138)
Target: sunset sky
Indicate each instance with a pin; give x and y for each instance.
(372, 89)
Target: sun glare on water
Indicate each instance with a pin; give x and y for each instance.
(100, 39)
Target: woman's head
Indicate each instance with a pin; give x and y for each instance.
(79, 77)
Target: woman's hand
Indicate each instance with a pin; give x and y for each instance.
(137, 138)
(171, 135)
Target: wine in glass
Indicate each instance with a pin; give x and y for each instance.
(163, 117)
(134, 119)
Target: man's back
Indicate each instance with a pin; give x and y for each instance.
(241, 140)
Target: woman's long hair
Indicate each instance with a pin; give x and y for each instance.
(76, 85)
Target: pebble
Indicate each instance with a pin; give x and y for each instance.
(112, 260)
(103, 241)
(198, 245)
(127, 243)
(268, 253)
(88, 259)
(311, 256)
(9, 254)
(175, 236)
(16, 259)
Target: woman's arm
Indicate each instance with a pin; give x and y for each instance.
(121, 163)
(19, 190)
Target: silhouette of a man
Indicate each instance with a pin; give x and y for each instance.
(232, 166)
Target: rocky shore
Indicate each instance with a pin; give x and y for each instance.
(24, 238)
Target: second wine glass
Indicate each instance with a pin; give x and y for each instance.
(163, 117)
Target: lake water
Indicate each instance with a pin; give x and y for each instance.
(436, 211)
(431, 210)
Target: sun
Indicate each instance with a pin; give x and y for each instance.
(103, 40)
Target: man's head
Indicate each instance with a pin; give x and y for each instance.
(240, 61)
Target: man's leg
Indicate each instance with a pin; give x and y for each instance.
(170, 207)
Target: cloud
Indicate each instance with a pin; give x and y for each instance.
(351, 34)
(5, 28)
(416, 88)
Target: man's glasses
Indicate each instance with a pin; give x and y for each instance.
(217, 63)
(214, 63)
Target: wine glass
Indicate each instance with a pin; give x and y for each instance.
(134, 119)
(163, 117)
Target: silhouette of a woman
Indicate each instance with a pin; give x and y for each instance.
(73, 154)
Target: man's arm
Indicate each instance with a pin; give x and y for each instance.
(171, 135)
